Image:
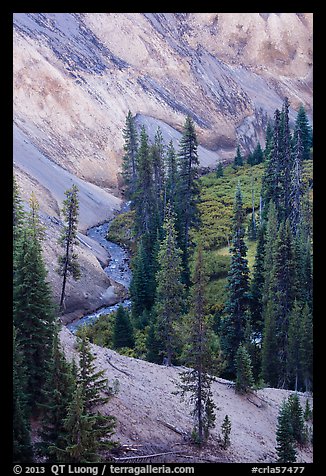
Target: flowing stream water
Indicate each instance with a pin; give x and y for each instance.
(118, 269)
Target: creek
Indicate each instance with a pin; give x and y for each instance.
(117, 270)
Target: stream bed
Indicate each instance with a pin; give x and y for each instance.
(118, 270)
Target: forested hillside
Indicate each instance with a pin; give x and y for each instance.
(221, 288)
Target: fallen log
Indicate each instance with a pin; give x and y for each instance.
(116, 368)
(173, 428)
(155, 455)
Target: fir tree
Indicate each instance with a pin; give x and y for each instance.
(58, 393)
(157, 159)
(92, 382)
(170, 289)
(244, 378)
(187, 192)
(271, 183)
(22, 445)
(171, 176)
(226, 431)
(295, 198)
(219, 170)
(268, 140)
(33, 312)
(238, 159)
(303, 130)
(129, 161)
(18, 212)
(257, 283)
(286, 164)
(284, 436)
(197, 381)
(297, 420)
(80, 444)
(68, 262)
(144, 196)
(123, 334)
(307, 347)
(238, 287)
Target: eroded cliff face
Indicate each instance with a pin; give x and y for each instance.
(77, 75)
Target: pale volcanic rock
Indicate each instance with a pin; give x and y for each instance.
(76, 75)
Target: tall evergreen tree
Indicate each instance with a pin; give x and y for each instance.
(22, 445)
(284, 436)
(307, 347)
(219, 170)
(18, 212)
(144, 196)
(170, 289)
(257, 283)
(68, 262)
(80, 443)
(286, 163)
(268, 140)
(187, 191)
(129, 161)
(171, 176)
(226, 431)
(199, 357)
(295, 198)
(33, 310)
(303, 129)
(297, 420)
(92, 382)
(238, 159)
(238, 288)
(244, 377)
(58, 393)
(123, 333)
(157, 159)
(271, 183)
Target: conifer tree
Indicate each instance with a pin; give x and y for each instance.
(143, 283)
(219, 170)
(199, 358)
(238, 159)
(92, 382)
(296, 192)
(244, 378)
(286, 164)
(226, 431)
(171, 176)
(129, 161)
(187, 192)
(144, 196)
(123, 334)
(33, 310)
(307, 348)
(18, 212)
(238, 287)
(92, 385)
(297, 420)
(80, 444)
(257, 283)
(268, 140)
(170, 289)
(302, 128)
(58, 393)
(284, 436)
(271, 183)
(22, 445)
(68, 262)
(295, 355)
(157, 159)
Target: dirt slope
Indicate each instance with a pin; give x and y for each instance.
(146, 403)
